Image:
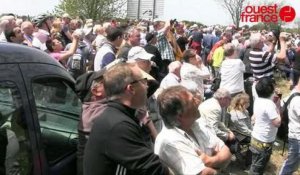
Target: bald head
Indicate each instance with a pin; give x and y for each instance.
(27, 28)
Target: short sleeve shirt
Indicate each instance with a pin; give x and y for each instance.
(264, 112)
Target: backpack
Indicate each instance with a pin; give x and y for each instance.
(75, 62)
(283, 128)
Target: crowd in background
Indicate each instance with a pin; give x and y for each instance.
(179, 99)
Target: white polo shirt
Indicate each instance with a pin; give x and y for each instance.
(177, 149)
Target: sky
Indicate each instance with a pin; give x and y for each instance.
(208, 12)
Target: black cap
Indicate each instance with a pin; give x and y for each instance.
(149, 37)
(84, 83)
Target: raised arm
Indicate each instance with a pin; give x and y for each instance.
(72, 49)
(282, 39)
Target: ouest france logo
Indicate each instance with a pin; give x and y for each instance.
(268, 14)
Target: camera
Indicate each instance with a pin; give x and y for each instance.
(173, 21)
(276, 33)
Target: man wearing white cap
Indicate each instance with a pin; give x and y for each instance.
(142, 59)
(139, 56)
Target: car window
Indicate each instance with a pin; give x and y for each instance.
(15, 156)
(58, 111)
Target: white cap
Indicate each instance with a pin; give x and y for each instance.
(66, 15)
(194, 26)
(138, 52)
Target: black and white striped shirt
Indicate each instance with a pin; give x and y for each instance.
(262, 63)
(120, 170)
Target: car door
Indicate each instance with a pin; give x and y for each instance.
(20, 147)
(56, 110)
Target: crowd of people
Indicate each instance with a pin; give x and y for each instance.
(148, 102)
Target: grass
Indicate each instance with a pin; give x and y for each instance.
(277, 158)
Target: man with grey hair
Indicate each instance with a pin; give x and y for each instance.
(173, 77)
(213, 114)
(116, 145)
(263, 62)
(133, 39)
(186, 146)
(27, 29)
(232, 70)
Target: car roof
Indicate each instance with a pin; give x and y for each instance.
(17, 53)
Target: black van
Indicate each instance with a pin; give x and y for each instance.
(39, 113)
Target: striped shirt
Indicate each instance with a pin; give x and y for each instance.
(262, 63)
(120, 170)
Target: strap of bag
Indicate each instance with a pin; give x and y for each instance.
(4, 142)
(291, 97)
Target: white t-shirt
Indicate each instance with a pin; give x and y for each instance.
(170, 80)
(189, 72)
(294, 118)
(232, 72)
(264, 111)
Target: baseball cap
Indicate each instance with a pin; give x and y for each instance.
(138, 52)
(66, 15)
(84, 83)
(194, 26)
(150, 36)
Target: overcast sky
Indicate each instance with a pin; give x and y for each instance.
(205, 11)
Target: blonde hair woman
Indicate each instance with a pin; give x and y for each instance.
(240, 121)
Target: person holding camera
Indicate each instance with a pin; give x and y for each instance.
(163, 45)
(263, 62)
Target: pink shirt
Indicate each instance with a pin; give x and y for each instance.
(56, 55)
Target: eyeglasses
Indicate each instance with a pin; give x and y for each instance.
(143, 80)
